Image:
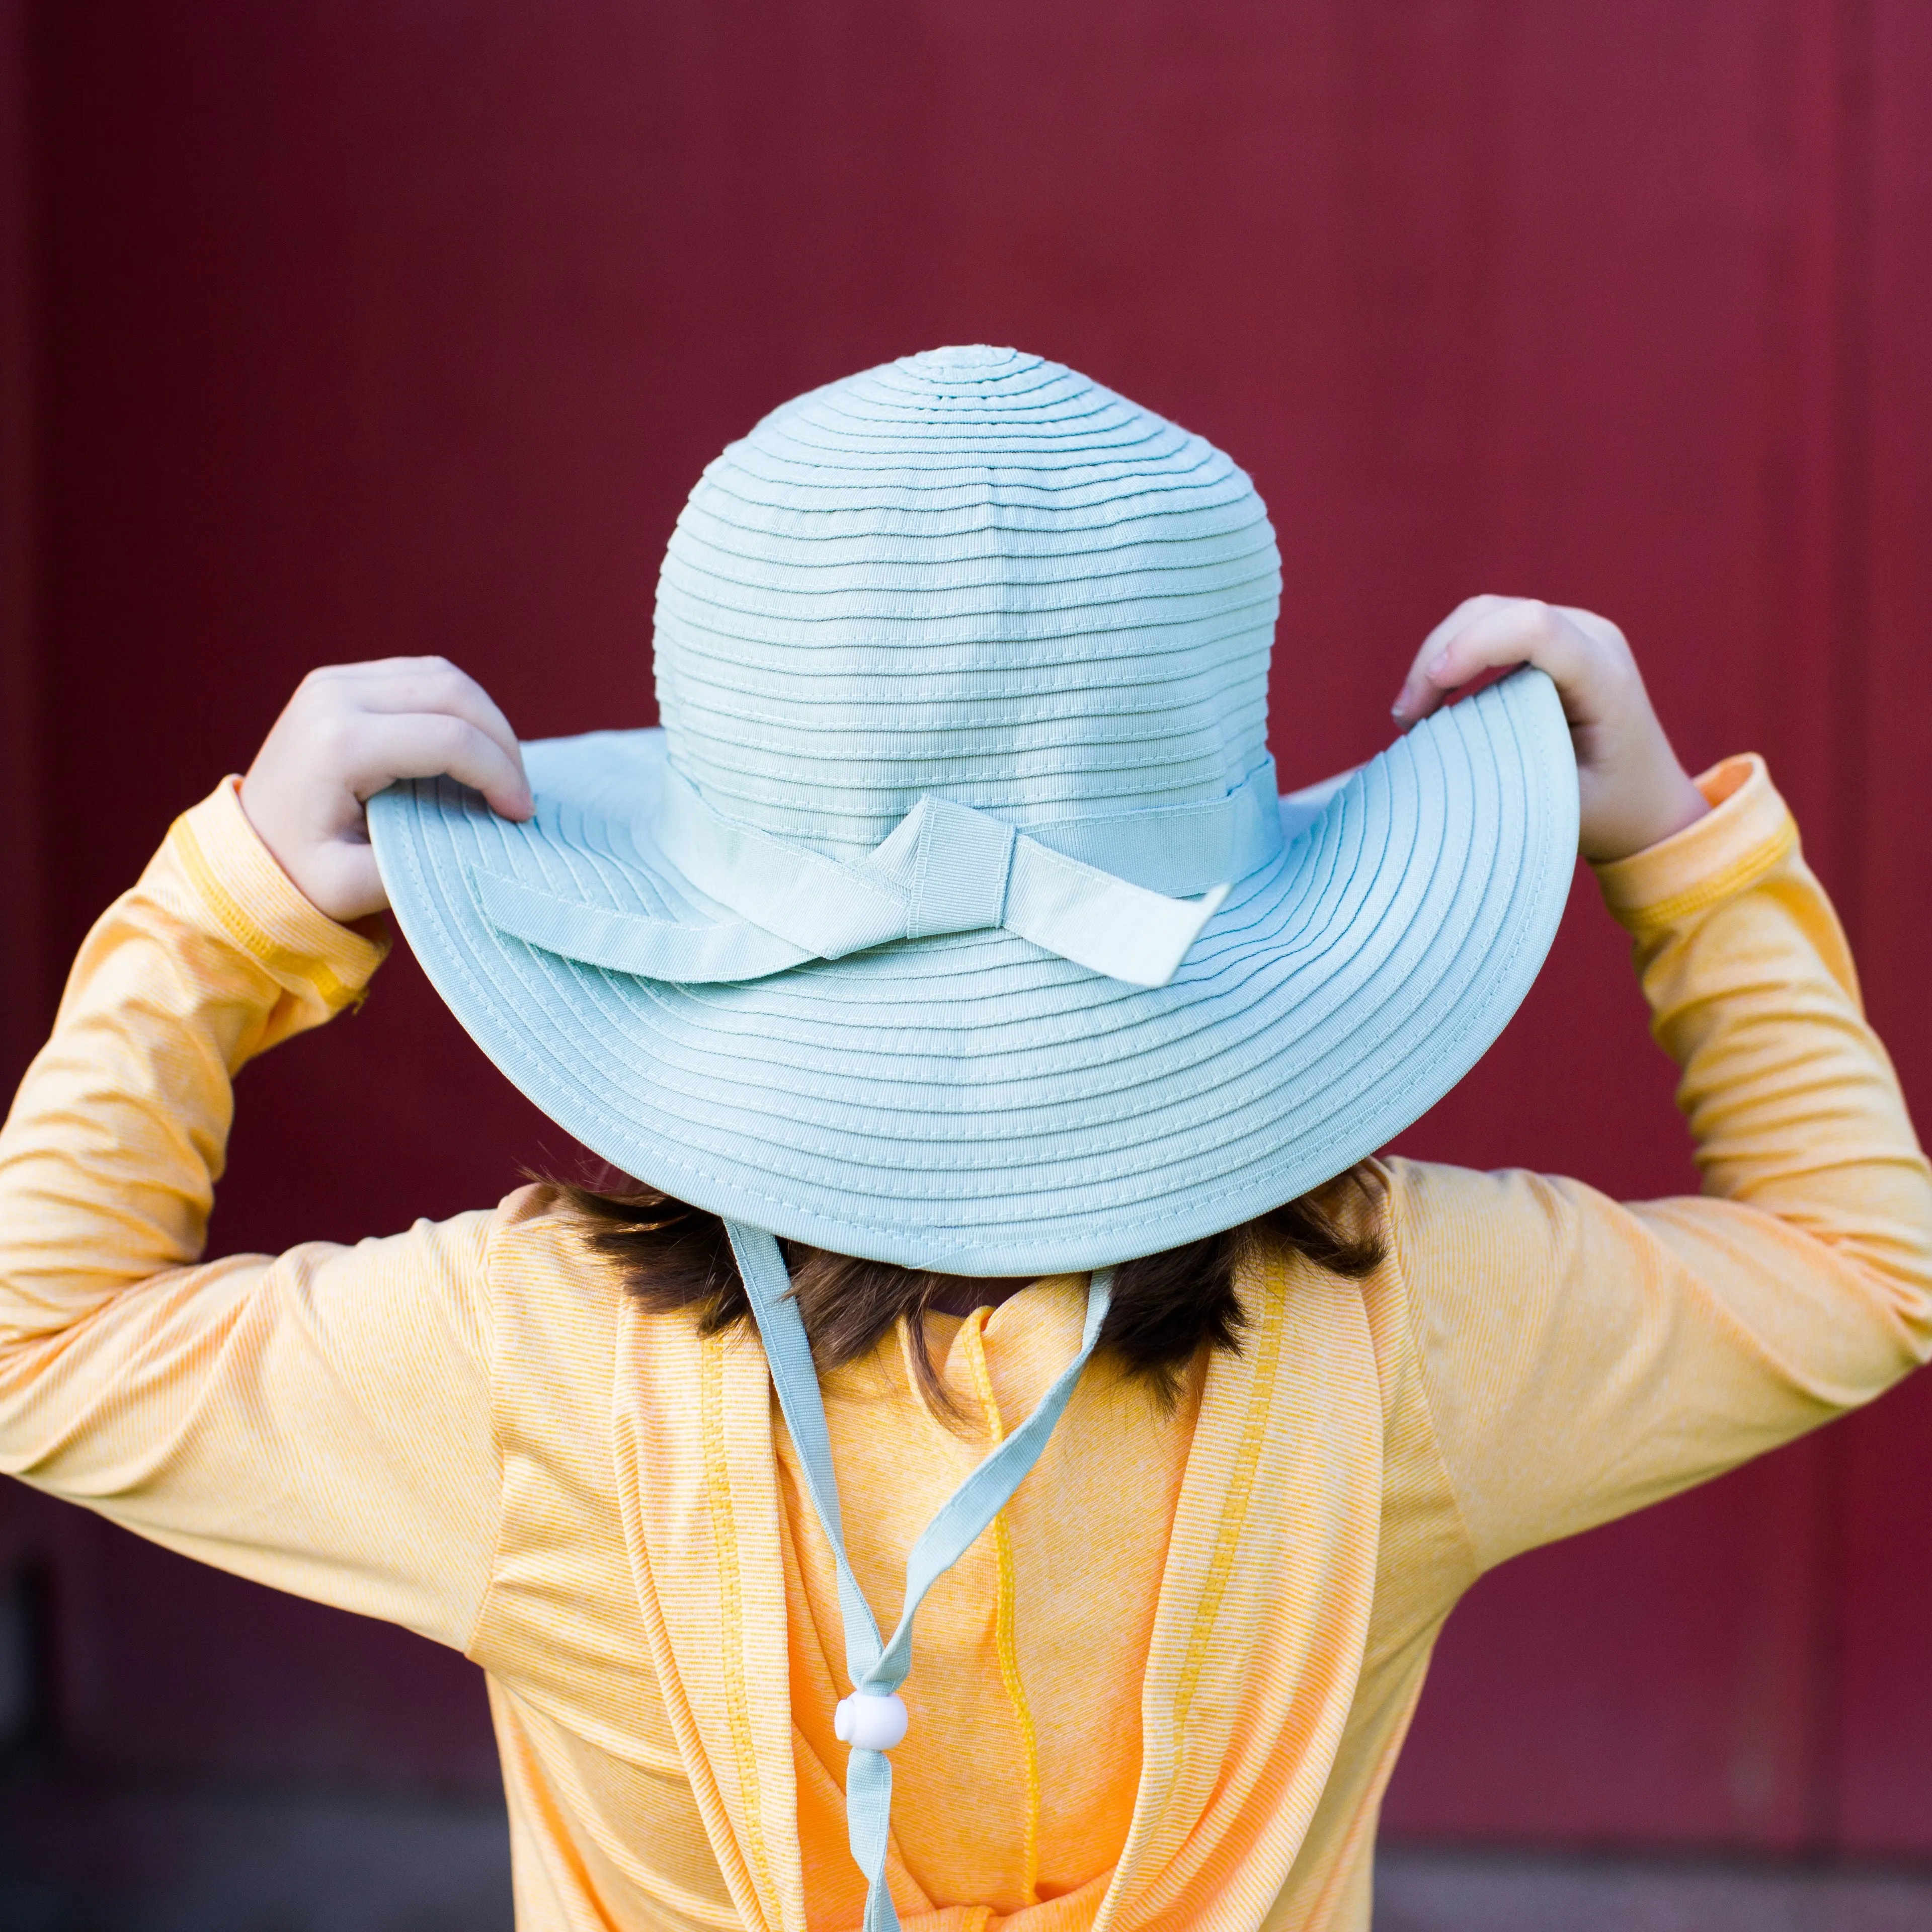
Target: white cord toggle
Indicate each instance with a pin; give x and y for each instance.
(870, 1720)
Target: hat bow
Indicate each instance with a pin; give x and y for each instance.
(946, 868)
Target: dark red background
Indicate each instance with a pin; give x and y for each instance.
(370, 325)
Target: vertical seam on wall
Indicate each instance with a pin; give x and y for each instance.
(26, 1001)
(1851, 448)
(1855, 30)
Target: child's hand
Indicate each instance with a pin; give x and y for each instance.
(1633, 790)
(352, 729)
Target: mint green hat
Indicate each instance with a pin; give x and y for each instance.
(952, 918)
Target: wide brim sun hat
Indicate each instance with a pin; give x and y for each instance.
(951, 919)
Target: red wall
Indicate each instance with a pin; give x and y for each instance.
(406, 325)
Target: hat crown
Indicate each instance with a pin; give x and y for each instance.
(972, 573)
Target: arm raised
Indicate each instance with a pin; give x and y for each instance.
(318, 1420)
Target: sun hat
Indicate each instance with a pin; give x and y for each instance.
(952, 918)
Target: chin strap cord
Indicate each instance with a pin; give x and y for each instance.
(872, 1720)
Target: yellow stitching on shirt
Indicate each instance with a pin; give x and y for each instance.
(731, 1610)
(1004, 1614)
(1234, 1514)
(1745, 870)
(282, 961)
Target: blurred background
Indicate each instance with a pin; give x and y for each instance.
(336, 328)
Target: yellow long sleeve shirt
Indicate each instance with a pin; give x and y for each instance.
(1167, 1689)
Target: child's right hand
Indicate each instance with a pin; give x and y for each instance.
(1632, 791)
(349, 730)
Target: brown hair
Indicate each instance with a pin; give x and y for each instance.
(675, 1258)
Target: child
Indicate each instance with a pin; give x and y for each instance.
(1000, 1067)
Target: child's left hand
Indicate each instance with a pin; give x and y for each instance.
(1633, 790)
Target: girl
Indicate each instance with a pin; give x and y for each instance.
(1001, 1063)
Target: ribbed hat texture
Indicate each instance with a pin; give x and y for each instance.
(972, 578)
(972, 572)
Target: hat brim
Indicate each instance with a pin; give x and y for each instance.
(973, 1104)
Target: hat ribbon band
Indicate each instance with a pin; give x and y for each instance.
(945, 867)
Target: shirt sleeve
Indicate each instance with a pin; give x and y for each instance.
(1583, 1357)
(319, 1421)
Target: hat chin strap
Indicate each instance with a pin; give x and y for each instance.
(872, 1720)
(946, 868)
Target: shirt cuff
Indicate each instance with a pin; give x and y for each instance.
(1748, 832)
(263, 911)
